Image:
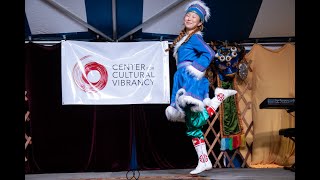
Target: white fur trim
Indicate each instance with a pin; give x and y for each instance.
(174, 115)
(204, 6)
(180, 92)
(195, 72)
(179, 43)
(198, 105)
(176, 47)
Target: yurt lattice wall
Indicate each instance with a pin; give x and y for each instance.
(26, 120)
(213, 132)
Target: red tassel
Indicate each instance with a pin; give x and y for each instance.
(236, 141)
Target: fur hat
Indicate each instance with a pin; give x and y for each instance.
(200, 8)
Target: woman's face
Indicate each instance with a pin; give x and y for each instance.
(191, 21)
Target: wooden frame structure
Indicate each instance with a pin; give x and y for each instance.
(244, 103)
(26, 120)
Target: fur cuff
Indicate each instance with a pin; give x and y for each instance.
(174, 115)
(195, 72)
(197, 105)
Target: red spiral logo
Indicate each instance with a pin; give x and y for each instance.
(81, 76)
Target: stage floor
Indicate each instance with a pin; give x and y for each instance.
(216, 173)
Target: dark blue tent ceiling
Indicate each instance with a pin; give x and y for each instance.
(141, 20)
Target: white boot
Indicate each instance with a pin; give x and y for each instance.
(220, 95)
(204, 162)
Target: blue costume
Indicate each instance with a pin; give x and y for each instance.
(190, 102)
(196, 55)
(192, 57)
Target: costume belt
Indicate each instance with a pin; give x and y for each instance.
(184, 63)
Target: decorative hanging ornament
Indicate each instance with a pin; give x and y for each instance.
(243, 70)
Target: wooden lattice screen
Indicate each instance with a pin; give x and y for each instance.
(26, 120)
(213, 132)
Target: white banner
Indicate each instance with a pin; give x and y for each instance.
(115, 72)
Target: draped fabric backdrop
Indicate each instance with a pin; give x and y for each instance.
(77, 138)
(273, 76)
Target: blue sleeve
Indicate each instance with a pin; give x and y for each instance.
(204, 52)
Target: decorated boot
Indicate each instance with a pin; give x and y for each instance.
(220, 95)
(204, 162)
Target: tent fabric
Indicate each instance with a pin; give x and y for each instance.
(273, 77)
(156, 19)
